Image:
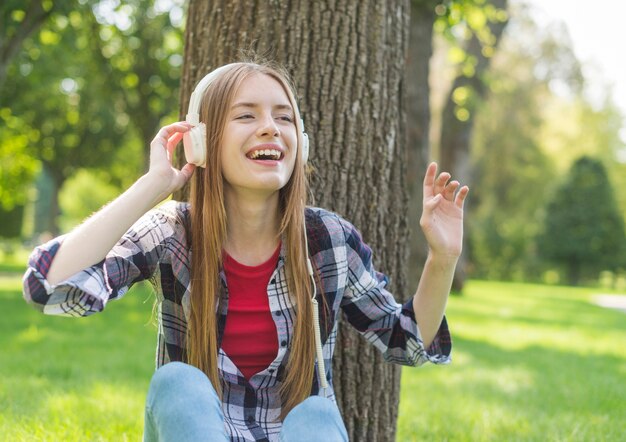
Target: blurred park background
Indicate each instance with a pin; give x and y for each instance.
(85, 85)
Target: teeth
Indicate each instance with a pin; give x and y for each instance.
(272, 153)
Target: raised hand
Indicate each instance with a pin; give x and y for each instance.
(442, 213)
(161, 154)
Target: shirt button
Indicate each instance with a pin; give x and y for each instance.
(283, 343)
(278, 313)
(250, 419)
(271, 370)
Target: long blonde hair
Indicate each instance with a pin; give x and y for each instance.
(208, 232)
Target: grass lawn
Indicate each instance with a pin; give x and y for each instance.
(531, 362)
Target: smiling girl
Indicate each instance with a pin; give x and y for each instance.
(249, 280)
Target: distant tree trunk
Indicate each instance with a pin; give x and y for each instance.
(347, 60)
(418, 124)
(573, 273)
(47, 208)
(456, 135)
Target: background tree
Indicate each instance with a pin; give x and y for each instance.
(535, 122)
(422, 21)
(140, 47)
(584, 230)
(20, 19)
(509, 156)
(57, 91)
(482, 23)
(347, 60)
(88, 90)
(458, 21)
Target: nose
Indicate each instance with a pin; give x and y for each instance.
(268, 127)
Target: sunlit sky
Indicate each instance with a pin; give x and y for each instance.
(598, 33)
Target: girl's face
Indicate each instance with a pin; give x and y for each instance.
(260, 138)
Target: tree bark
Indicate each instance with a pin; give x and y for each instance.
(347, 60)
(418, 115)
(456, 135)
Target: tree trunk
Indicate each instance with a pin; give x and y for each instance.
(456, 135)
(418, 115)
(347, 60)
(573, 272)
(47, 208)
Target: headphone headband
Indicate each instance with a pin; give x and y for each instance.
(193, 112)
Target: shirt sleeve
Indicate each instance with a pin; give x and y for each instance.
(134, 258)
(373, 311)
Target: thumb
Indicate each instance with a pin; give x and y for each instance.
(188, 170)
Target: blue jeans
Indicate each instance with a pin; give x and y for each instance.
(183, 406)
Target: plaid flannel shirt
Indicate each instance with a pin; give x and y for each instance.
(156, 248)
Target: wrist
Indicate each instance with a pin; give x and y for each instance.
(151, 186)
(442, 259)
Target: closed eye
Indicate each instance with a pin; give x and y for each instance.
(243, 117)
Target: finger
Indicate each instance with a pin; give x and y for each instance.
(173, 141)
(460, 196)
(440, 182)
(448, 191)
(167, 131)
(186, 172)
(429, 180)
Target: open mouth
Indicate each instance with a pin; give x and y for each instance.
(265, 155)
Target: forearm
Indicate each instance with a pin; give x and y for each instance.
(90, 242)
(431, 297)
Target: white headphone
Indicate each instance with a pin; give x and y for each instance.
(194, 140)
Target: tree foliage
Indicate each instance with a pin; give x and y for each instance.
(472, 29)
(584, 231)
(87, 90)
(527, 133)
(481, 24)
(18, 20)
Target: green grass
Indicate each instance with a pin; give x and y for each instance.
(530, 363)
(74, 379)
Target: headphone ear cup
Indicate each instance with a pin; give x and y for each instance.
(194, 142)
(305, 147)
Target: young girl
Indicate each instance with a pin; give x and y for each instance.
(249, 280)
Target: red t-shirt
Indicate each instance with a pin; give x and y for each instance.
(250, 339)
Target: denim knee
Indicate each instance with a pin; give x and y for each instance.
(176, 372)
(317, 405)
(182, 405)
(181, 379)
(316, 418)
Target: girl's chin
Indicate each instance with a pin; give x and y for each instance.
(263, 187)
